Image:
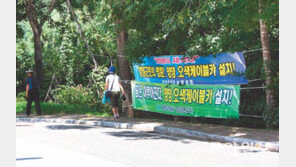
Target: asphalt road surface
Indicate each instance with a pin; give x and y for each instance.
(62, 145)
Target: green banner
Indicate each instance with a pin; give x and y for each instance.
(217, 101)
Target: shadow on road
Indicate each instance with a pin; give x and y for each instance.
(66, 127)
(29, 158)
(133, 135)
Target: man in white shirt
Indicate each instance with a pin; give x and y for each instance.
(113, 84)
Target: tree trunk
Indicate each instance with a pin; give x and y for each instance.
(125, 71)
(270, 97)
(37, 30)
(38, 57)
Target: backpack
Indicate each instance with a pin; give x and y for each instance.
(34, 83)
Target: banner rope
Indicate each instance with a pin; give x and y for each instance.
(253, 50)
(255, 116)
(246, 88)
(255, 80)
(127, 106)
(263, 87)
(243, 115)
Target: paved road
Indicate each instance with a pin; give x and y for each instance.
(49, 144)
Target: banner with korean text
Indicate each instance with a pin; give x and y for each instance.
(218, 101)
(220, 69)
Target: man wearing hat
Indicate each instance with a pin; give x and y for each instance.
(32, 92)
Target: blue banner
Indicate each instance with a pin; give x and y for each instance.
(224, 68)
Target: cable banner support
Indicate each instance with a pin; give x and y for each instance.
(247, 88)
(254, 50)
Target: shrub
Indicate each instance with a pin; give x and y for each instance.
(78, 95)
(21, 97)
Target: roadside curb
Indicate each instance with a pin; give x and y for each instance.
(272, 146)
(157, 128)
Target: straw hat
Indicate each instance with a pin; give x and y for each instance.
(30, 71)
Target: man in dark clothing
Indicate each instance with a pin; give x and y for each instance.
(32, 94)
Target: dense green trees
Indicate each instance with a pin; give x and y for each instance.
(127, 30)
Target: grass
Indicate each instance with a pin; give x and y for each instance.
(54, 108)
